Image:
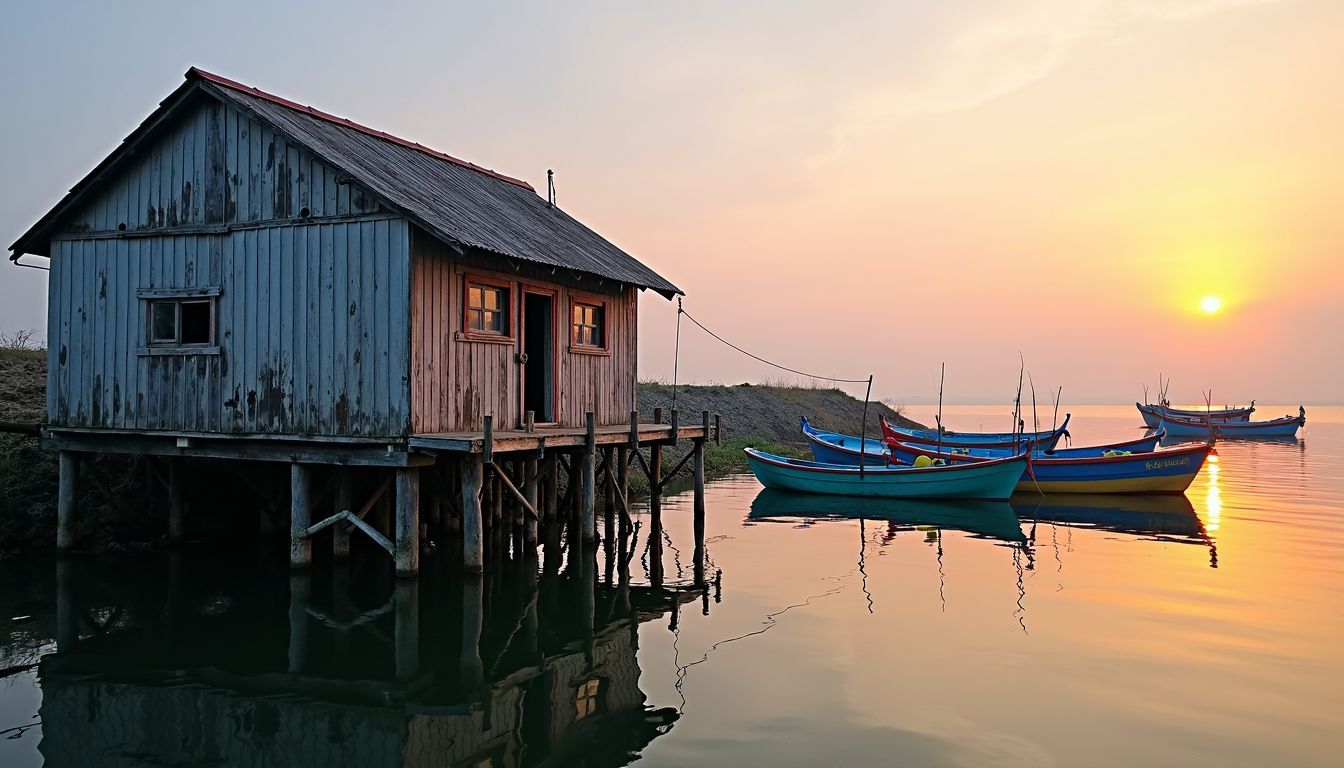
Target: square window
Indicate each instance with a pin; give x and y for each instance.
(487, 309)
(589, 326)
(163, 322)
(195, 322)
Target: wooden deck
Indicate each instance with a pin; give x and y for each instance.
(508, 441)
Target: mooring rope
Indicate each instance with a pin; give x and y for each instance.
(681, 311)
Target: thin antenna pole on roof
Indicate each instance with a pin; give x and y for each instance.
(550, 187)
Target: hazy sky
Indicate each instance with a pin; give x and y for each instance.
(850, 188)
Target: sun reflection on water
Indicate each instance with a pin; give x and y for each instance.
(1213, 502)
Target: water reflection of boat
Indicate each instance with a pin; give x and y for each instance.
(1165, 515)
(989, 519)
(511, 669)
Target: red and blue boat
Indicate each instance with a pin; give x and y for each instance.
(1166, 470)
(948, 439)
(1202, 428)
(1153, 414)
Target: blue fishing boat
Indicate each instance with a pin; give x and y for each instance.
(986, 519)
(986, 479)
(1152, 414)
(1168, 470)
(949, 439)
(1285, 427)
(838, 448)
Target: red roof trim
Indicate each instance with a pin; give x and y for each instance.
(237, 86)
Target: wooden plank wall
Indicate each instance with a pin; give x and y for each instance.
(311, 325)
(455, 382)
(216, 165)
(312, 322)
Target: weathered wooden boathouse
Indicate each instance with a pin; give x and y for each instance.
(247, 278)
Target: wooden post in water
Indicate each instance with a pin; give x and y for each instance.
(531, 466)
(551, 463)
(699, 519)
(300, 592)
(406, 545)
(406, 629)
(473, 533)
(176, 501)
(67, 614)
(300, 505)
(623, 485)
(65, 501)
(588, 510)
(610, 487)
(345, 502)
(470, 667)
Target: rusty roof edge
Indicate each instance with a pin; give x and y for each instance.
(197, 72)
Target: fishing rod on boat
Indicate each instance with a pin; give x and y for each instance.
(942, 372)
(1054, 420)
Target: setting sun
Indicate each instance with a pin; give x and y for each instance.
(1210, 304)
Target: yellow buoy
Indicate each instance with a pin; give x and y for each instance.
(923, 461)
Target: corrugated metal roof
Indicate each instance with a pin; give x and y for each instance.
(457, 201)
(453, 199)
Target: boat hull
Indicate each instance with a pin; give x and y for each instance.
(837, 448)
(1275, 429)
(994, 479)
(1153, 414)
(1044, 440)
(1159, 471)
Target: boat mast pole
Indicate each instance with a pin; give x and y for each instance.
(1054, 420)
(942, 371)
(863, 428)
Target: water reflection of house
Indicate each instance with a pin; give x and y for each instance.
(133, 697)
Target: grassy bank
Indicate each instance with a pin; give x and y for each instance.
(759, 416)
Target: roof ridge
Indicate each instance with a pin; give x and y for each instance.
(348, 123)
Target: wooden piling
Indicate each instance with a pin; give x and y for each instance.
(300, 593)
(345, 502)
(406, 549)
(67, 614)
(588, 509)
(176, 502)
(65, 501)
(530, 492)
(300, 503)
(473, 534)
(406, 629)
(551, 508)
(699, 514)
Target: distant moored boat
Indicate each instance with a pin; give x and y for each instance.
(1284, 427)
(949, 439)
(1152, 414)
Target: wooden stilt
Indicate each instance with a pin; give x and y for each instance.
(530, 491)
(300, 548)
(551, 468)
(406, 629)
(473, 534)
(470, 667)
(609, 504)
(67, 621)
(176, 501)
(407, 540)
(300, 589)
(65, 501)
(699, 514)
(623, 486)
(588, 508)
(345, 502)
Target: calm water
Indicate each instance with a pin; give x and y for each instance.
(1075, 632)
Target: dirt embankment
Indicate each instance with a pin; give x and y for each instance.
(771, 413)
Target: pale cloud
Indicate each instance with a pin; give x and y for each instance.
(1003, 48)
